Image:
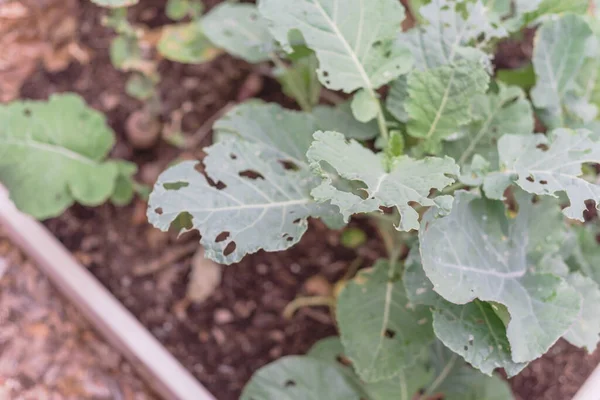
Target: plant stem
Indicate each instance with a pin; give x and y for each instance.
(454, 187)
(300, 302)
(381, 122)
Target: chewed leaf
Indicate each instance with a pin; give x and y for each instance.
(440, 101)
(186, 43)
(444, 39)
(546, 166)
(115, 3)
(586, 331)
(301, 378)
(259, 195)
(407, 181)
(478, 253)
(239, 30)
(52, 154)
(391, 334)
(353, 39)
(472, 330)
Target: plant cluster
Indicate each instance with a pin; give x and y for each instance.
(481, 208)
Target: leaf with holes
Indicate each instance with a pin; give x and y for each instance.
(440, 99)
(477, 252)
(559, 53)
(239, 30)
(444, 39)
(391, 334)
(473, 330)
(186, 43)
(407, 180)
(115, 3)
(53, 154)
(548, 165)
(353, 39)
(260, 194)
(300, 378)
(494, 114)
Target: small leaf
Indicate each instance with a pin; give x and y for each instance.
(478, 253)
(364, 106)
(353, 238)
(525, 161)
(52, 154)
(353, 39)
(115, 3)
(586, 330)
(124, 185)
(186, 43)
(391, 334)
(260, 195)
(300, 378)
(396, 100)
(299, 81)
(440, 99)
(240, 30)
(559, 53)
(177, 9)
(407, 181)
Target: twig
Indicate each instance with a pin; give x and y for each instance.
(194, 141)
(173, 255)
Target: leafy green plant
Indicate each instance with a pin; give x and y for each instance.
(498, 268)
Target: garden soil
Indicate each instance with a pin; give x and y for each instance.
(240, 327)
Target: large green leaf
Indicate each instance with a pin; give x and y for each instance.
(559, 53)
(440, 101)
(115, 3)
(239, 29)
(457, 381)
(390, 334)
(444, 39)
(494, 114)
(478, 253)
(260, 195)
(586, 331)
(300, 378)
(353, 39)
(52, 154)
(407, 181)
(473, 330)
(548, 165)
(186, 43)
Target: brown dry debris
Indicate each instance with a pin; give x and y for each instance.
(47, 350)
(32, 31)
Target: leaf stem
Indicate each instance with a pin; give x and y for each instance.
(440, 378)
(299, 302)
(381, 122)
(454, 187)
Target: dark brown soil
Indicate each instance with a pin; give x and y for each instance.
(240, 327)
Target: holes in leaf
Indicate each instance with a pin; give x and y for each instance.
(340, 358)
(544, 182)
(217, 185)
(288, 165)
(530, 178)
(325, 74)
(289, 383)
(159, 210)
(230, 248)
(542, 147)
(289, 239)
(221, 237)
(251, 174)
(233, 156)
(297, 221)
(389, 333)
(377, 44)
(466, 348)
(387, 54)
(175, 185)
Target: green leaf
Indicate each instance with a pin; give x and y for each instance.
(391, 334)
(440, 101)
(523, 77)
(299, 81)
(186, 43)
(472, 330)
(124, 190)
(260, 195)
(140, 87)
(525, 161)
(239, 29)
(494, 114)
(300, 378)
(52, 154)
(340, 119)
(364, 107)
(585, 332)
(177, 9)
(124, 51)
(407, 181)
(397, 97)
(559, 53)
(545, 8)
(115, 3)
(457, 381)
(478, 253)
(353, 39)
(585, 257)
(353, 238)
(445, 37)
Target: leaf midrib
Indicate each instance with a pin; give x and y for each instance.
(51, 148)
